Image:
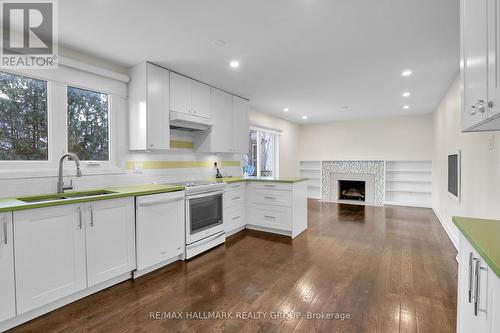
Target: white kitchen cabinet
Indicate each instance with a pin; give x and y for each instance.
(149, 104)
(230, 133)
(234, 214)
(241, 125)
(7, 284)
(479, 34)
(160, 227)
(49, 254)
(494, 301)
(189, 96)
(277, 207)
(472, 312)
(110, 239)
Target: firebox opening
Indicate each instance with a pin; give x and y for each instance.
(351, 190)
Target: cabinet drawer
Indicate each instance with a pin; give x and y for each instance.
(234, 198)
(234, 218)
(271, 197)
(270, 217)
(235, 186)
(271, 186)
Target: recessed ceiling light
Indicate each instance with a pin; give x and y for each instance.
(406, 107)
(407, 72)
(406, 94)
(286, 109)
(234, 64)
(304, 117)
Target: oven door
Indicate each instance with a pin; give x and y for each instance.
(203, 216)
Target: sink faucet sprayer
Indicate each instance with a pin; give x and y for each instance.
(60, 184)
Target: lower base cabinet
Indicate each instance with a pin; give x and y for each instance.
(110, 234)
(49, 255)
(7, 294)
(478, 305)
(61, 250)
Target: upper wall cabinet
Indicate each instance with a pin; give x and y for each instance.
(229, 134)
(189, 96)
(479, 36)
(149, 101)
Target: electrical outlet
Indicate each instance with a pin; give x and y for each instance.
(491, 142)
(138, 167)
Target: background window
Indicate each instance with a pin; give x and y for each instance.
(262, 156)
(88, 124)
(23, 118)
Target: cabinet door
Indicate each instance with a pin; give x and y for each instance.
(241, 126)
(110, 239)
(7, 287)
(234, 218)
(180, 93)
(494, 301)
(158, 100)
(472, 288)
(200, 99)
(474, 53)
(493, 65)
(49, 254)
(160, 228)
(221, 134)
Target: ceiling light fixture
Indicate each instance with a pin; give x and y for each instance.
(304, 117)
(407, 72)
(406, 94)
(286, 109)
(406, 107)
(234, 64)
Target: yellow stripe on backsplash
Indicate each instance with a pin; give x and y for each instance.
(181, 144)
(129, 165)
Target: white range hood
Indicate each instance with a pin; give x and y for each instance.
(189, 122)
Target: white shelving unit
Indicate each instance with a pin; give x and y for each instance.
(312, 170)
(408, 183)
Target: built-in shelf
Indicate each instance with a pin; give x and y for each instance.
(312, 170)
(408, 183)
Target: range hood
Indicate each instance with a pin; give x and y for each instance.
(188, 122)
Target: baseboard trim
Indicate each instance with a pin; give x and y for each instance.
(446, 229)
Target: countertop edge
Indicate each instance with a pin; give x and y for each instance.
(493, 265)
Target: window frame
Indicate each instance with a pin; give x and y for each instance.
(58, 82)
(276, 134)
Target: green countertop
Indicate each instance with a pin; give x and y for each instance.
(13, 204)
(230, 180)
(484, 236)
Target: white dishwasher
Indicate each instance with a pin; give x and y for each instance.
(159, 230)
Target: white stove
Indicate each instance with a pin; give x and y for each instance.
(204, 218)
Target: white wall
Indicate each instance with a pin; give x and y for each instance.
(288, 141)
(480, 166)
(391, 138)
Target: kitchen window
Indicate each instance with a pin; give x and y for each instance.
(23, 118)
(262, 159)
(88, 124)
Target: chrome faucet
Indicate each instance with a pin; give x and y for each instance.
(60, 184)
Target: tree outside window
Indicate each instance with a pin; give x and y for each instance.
(88, 124)
(262, 156)
(23, 118)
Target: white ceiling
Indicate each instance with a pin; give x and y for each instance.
(313, 56)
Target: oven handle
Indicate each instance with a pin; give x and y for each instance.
(204, 195)
(153, 203)
(206, 240)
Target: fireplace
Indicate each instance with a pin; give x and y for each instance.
(352, 190)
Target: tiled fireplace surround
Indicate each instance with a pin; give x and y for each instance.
(372, 172)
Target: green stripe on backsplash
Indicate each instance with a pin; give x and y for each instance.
(129, 165)
(181, 144)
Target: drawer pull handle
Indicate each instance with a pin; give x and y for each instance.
(5, 238)
(471, 259)
(236, 198)
(91, 216)
(236, 217)
(80, 224)
(235, 186)
(270, 198)
(269, 185)
(270, 217)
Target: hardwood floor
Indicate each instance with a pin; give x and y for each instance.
(390, 269)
